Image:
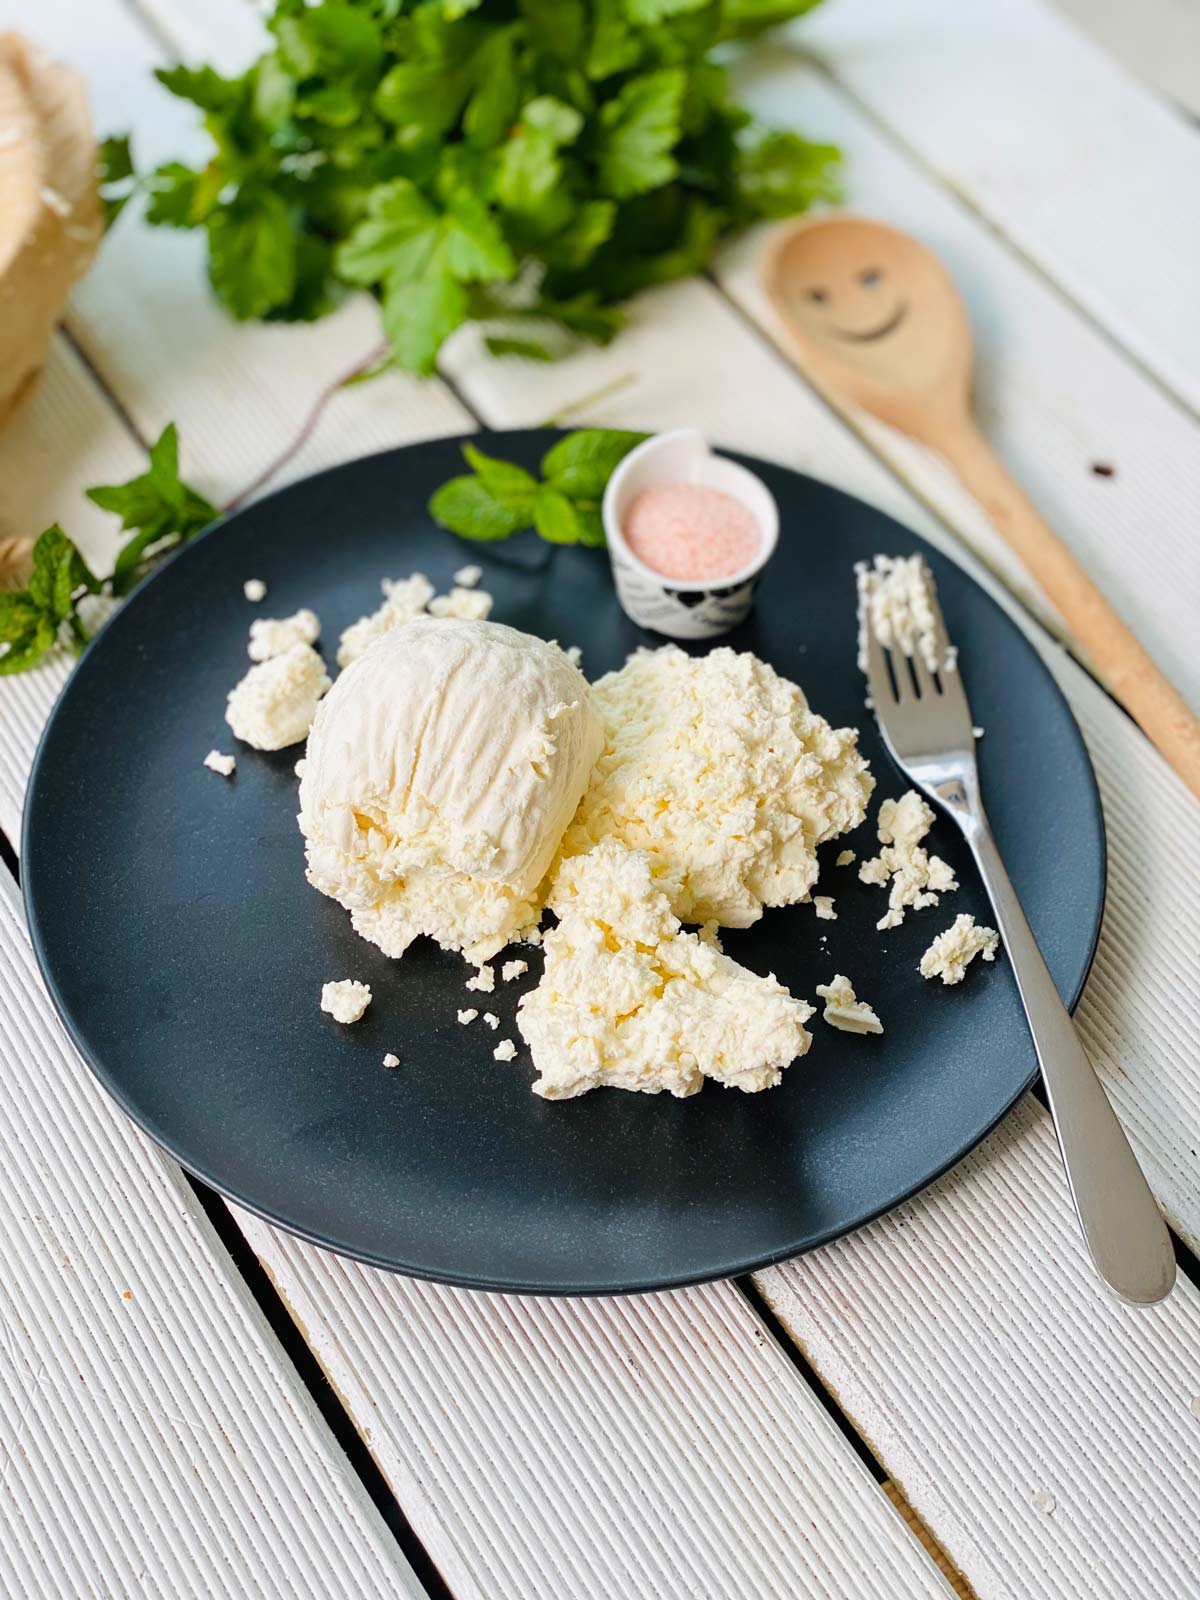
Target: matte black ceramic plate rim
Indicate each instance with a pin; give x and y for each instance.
(193, 1163)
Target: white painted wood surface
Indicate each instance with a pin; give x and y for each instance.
(655, 1446)
(1038, 130)
(917, 1319)
(1053, 394)
(154, 1440)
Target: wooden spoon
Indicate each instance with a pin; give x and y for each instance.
(871, 316)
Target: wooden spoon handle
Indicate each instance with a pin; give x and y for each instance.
(1154, 703)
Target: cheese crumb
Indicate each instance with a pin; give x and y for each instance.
(391, 1060)
(629, 1000)
(254, 589)
(275, 703)
(824, 907)
(345, 1000)
(513, 969)
(505, 1050)
(484, 981)
(717, 765)
(896, 601)
(403, 600)
(469, 605)
(574, 654)
(216, 762)
(492, 1020)
(271, 636)
(952, 951)
(845, 858)
(468, 577)
(913, 877)
(843, 1008)
(466, 1016)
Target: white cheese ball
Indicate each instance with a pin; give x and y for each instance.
(274, 704)
(440, 774)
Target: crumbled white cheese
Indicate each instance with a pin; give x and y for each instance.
(1044, 1501)
(845, 857)
(912, 876)
(466, 1016)
(275, 703)
(823, 904)
(716, 764)
(469, 605)
(216, 762)
(484, 981)
(977, 733)
(896, 601)
(513, 969)
(631, 1001)
(254, 589)
(403, 599)
(468, 577)
(574, 654)
(505, 1051)
(952, 951)
(843, 1008)
(391, 1060)
(345, 1000)
(271, 636)
(492, 1020)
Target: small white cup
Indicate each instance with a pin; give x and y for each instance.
(697, 610)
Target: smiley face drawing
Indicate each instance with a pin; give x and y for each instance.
(863, 303)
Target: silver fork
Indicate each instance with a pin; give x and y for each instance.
(928, 731)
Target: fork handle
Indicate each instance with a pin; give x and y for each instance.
(1121, 1223)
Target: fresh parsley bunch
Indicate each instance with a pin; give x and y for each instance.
(160, 510)
(477, 158)
(498, 498)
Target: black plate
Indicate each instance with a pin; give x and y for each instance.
(186, 953)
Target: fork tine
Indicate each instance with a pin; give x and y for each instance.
(871, 660)
(941, 637)
(922, 676)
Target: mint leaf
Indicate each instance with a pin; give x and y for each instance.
(613, 47)
(530, 168)
(492, 108)
(467, 507)
(554, 517)
(638, 130)
(504, 479)
(582, 463)
(26, 632)
(742, 19)
(161, 509)
(114, 176)
(252, 253)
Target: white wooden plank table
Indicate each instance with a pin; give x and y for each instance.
(728, 1441)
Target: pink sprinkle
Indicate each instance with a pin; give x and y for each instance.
(689, 532)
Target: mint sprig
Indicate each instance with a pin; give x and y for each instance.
(498, 498)
(161, 512)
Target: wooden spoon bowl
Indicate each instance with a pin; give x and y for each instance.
(872, 317)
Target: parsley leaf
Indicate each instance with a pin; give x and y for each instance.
(434, 151)
(252, 253)
(638, 131)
